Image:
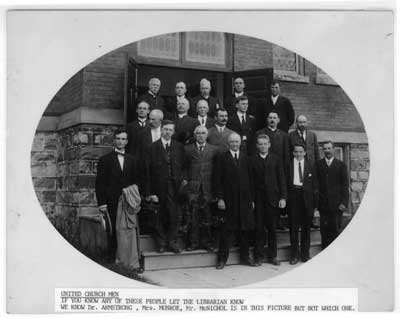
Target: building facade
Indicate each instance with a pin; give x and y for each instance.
(77, 126)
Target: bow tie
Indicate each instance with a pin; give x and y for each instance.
(120, 153)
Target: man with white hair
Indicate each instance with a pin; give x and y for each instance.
(235, 194)
(213, 102)
(152, 96)
(180, 94)
(151, 133)
(202, 114)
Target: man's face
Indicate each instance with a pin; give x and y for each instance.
(205, 89)
(201, 135)
(328, 150)
(273, 120)
(234, 142)
(301, 123)
(299, 153)
(154, 120)
(238, 85)
(182, 107)
(263, 145)
(143, 110)
(242, 105)
(202, 108)
(167, 131)
(275, 89)
(154, 86)
(222, 118)
(180, 89)
(120, 141)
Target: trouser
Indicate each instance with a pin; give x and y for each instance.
(169, 216)
(226, 241)
(199, 224)
(266, 217)
(299, 218)
(112, 238)
(331, 222)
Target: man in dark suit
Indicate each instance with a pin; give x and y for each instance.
(200, 160)
(270, 196)
(164, 177)
(219, 133)
(235, 193)
(244, 124)
(205, 90)
(149, 134)
(281, 105)
(238, 90)
(152, 97)
(115, 171)
(333, 185)
(184, 124)
(136, 126)
(303, 201)
(180, 94)
(305, 137)
(202, 114)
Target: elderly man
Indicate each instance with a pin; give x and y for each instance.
(303, 136)
(152, 96)
(281, 105)
(151, 133)
(164, 177)
(238, 90)
(200, 160)
(333, 193)
(235, 194)
(136, 126)
(219, 133)
(202, 114)
(205, 90)
(180, 94)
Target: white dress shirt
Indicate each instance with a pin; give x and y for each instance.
(200, 119)
(180, 116)
(220, 129)
(296, 175)
(121, 158)
(152, 94)
(263, 156)
(142, 122)
(329, 161)
(233, 153)
(165, 142)
(155, 134)
(242, 116)
(274, 99)
(302, 134)
(238, 94)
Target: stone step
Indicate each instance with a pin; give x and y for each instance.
(202, 258)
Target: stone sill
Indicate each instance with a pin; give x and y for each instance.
(325, 79)
(290, 76)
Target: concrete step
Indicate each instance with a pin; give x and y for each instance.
(202, 258)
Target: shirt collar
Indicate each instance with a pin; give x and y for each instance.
(240, 114)
(164, 142)
(143, 120)
(275, 129)
(297, 161)
(239, 94)
(234, 152)
(119, 151)
(329, 161)
(263, 156)
(198, 145)
(182, 115)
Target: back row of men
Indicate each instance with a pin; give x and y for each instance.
(250, 173)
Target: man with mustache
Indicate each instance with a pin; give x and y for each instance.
(219, 133)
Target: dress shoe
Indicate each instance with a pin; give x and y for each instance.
(191, 248)
(247, 262)
(210, 248)
(140, 270)
(257, 262)
(305, 259)
(175, 249)
(220, 265)
(161, 249)
(274, 261)
(293, 261)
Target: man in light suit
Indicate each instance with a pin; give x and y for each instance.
(219, 133)
(303, 202)
(136, 126)
(115, 171)
(333, 185)
(202, 114)
(305, 137)
(200, 161)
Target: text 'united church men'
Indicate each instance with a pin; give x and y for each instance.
(212, 159)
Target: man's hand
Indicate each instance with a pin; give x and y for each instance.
(342, 207)
(184, 183)
(221, 204)
(282, 203)
(252, 205)
(103, 208)
(316, 213)
(151, 198)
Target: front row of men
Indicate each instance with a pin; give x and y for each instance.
(250, 190)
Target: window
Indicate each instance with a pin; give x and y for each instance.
(164, 46)
(205, 47)
(288, 66)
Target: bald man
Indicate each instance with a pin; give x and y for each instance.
(205, 91)
(152, 96)
(235, 194)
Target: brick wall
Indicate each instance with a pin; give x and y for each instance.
(251, 53)
(359, 172)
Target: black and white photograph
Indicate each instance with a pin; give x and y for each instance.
(203, 157)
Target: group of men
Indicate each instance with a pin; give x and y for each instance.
(238, 160)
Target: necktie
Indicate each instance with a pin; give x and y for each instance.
(118, 152)
(300, 173)
(167, 147)
(202, 121)
(201, 148)
(236, 158)
(243, 120)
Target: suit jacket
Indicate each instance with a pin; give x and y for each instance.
(333, 184)
(200, 169)
(154, 102)
(310, 187)
(209, 122)
(235, 185)
(217, 139)
(269, 178)
(156, 167)
(246, 131)
(133, 129)
(230, 105)
(213, 105)
(184, 128)
(310, 144)
(279, 144)
(143, 142)
(110, 179)
(283, 107)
